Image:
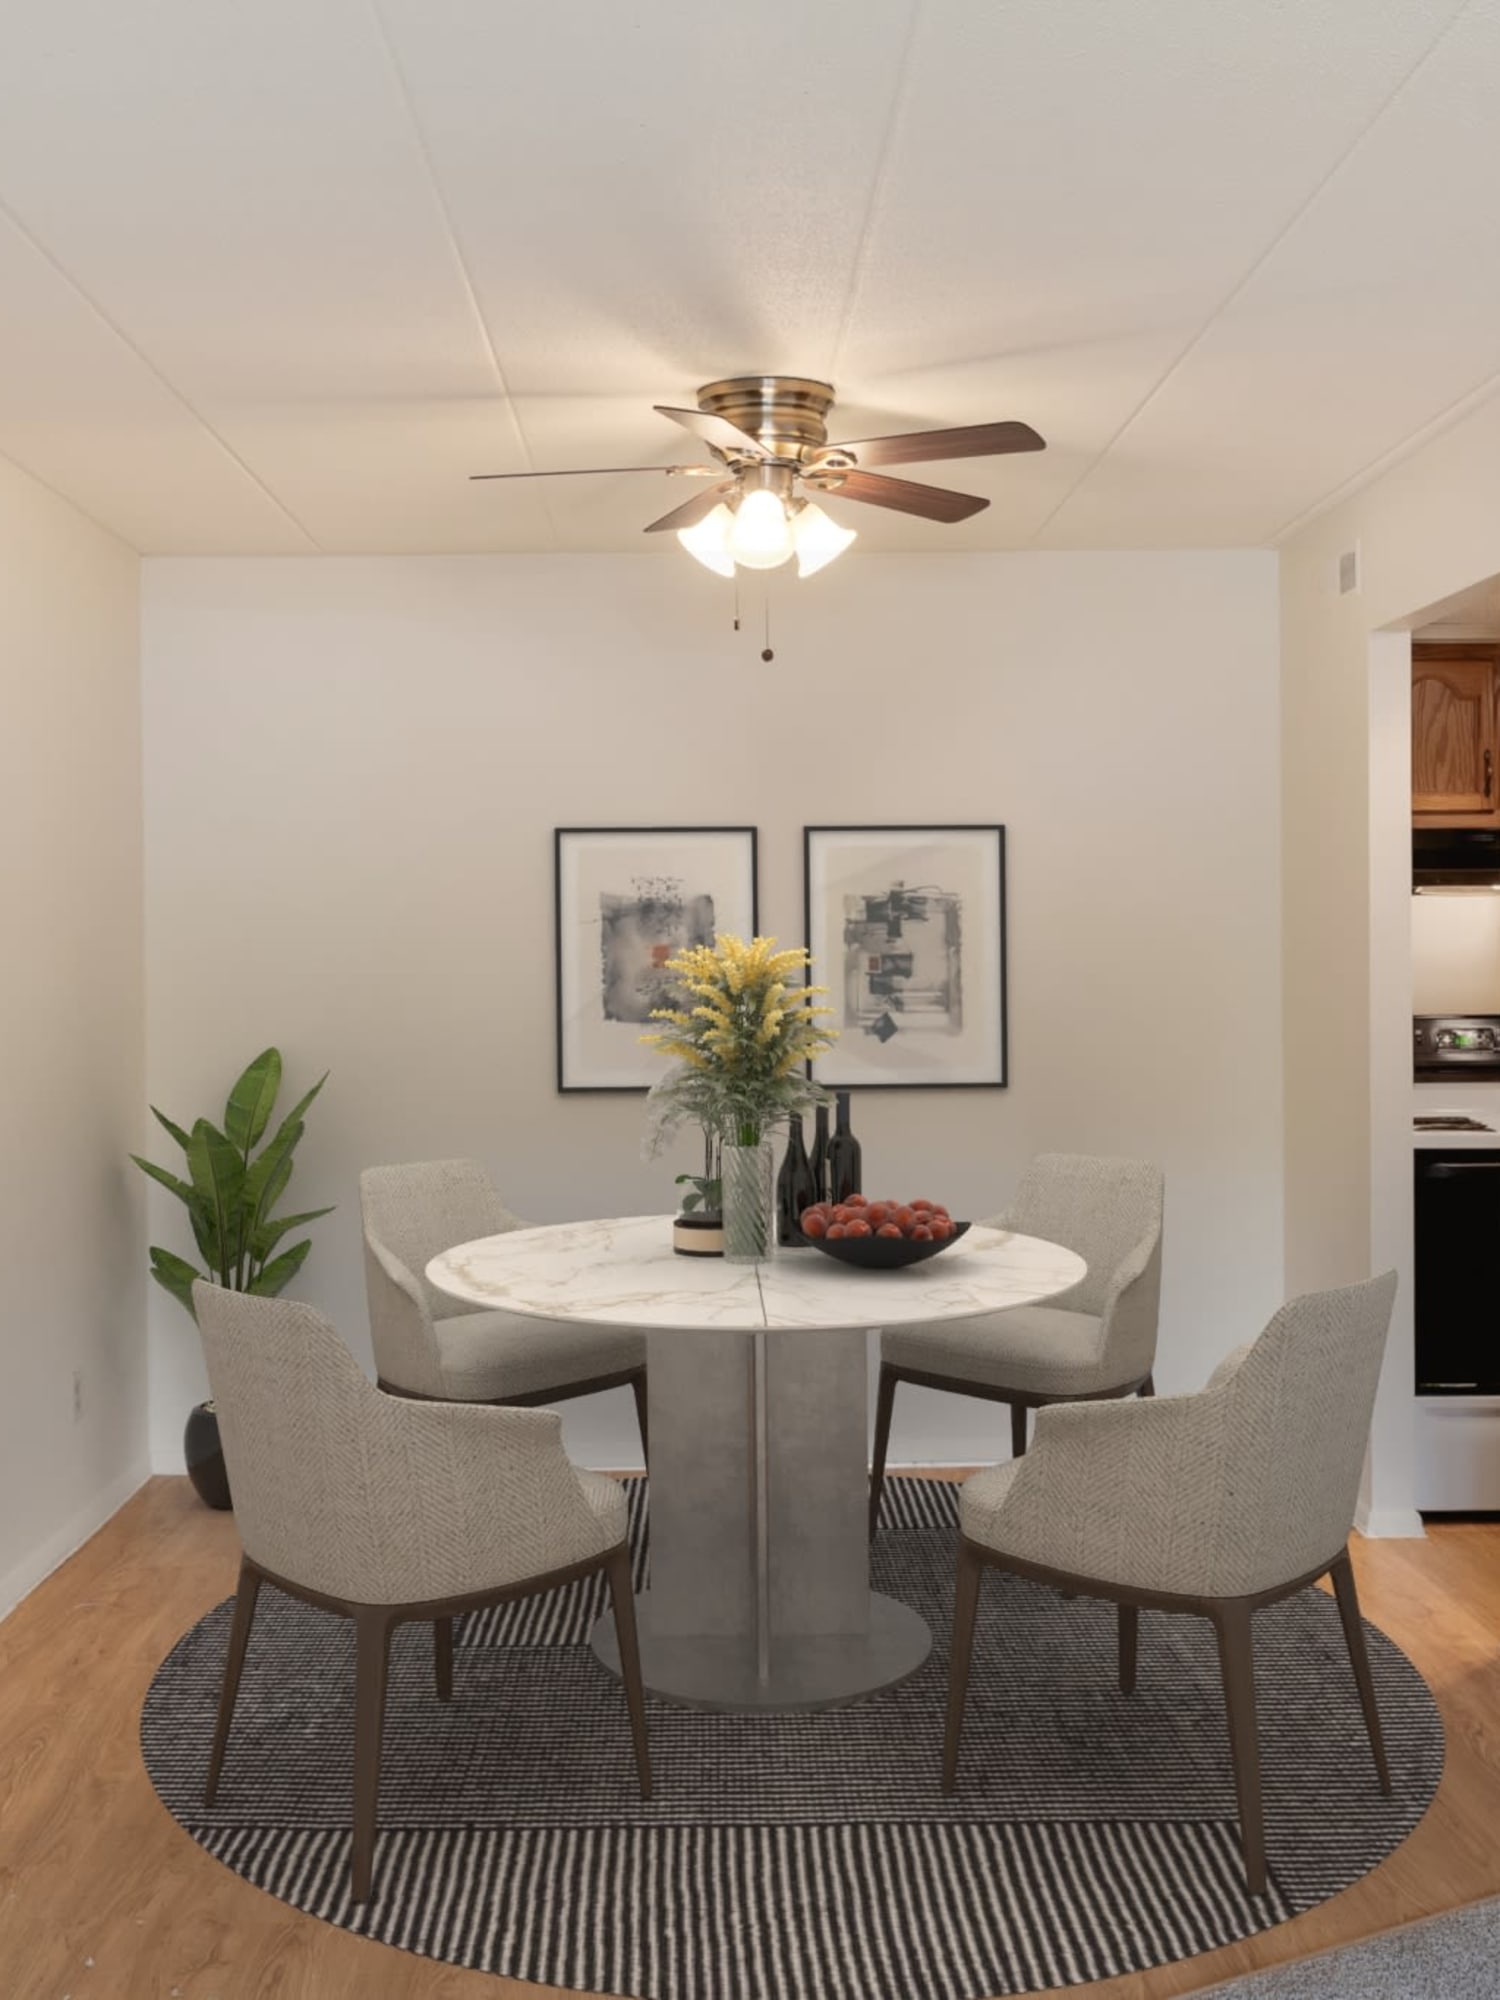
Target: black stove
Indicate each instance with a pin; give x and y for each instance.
(1447, 1047)
(1450, 1121)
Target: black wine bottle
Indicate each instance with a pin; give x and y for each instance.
(843, 1154)
(819, 1161)
(794, 1188)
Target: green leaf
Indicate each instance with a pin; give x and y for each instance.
(248, 1111)
(219, 1181)
(166, 1123)
(269, 1172)
(294, 1116)
(281, 1270)
(265, 1239)
(175, 1275)
(173, 1185)
(201, 1217)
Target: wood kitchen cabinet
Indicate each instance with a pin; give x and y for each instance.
(1455, 735)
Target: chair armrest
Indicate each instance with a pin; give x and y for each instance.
(1229, 1367)
(401, 1333)
(465, 1497)
(1126, 1492)
(1131, 1310)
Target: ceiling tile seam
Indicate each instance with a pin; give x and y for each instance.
(67, 500)
(162, 381)
(1256, 264)
(859, 263)
(455, 244)
(1461, 407)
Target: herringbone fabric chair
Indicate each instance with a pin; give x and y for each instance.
(1097, 1339)
(387, 1510)
(1215, 1504)
(428, 1343)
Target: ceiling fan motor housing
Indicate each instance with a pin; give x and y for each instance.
(787, 414)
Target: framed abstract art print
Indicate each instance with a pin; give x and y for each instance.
(906, 925)
(627, 899)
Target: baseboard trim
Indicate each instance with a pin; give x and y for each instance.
(24, 1577)
(1392, 1524)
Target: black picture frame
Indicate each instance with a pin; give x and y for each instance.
(623, 897)
(906, 927)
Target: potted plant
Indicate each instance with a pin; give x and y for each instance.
(743, 1038)
(229, 1192)
(698, 1226)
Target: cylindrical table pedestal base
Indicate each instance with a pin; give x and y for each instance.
(816, 1671)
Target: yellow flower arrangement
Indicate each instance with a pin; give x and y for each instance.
(742, 1040)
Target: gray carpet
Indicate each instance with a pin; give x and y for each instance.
(1452, 1957)
(806, 1856)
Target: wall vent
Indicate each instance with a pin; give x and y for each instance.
(1349, 571)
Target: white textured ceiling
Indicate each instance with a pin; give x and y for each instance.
(276, 277)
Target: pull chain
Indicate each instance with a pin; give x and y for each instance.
(766, 653)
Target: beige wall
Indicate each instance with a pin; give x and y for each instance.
(354, 768)
(1425, 530)
(71, 1006)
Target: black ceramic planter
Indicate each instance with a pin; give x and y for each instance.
(205, 1457)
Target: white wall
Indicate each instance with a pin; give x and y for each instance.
(354, 768)
(71, 1212)
(1455, 953)
(1427, 529)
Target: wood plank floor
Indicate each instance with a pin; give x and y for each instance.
(102, 1898)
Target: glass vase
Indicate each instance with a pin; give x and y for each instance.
(749, 1201)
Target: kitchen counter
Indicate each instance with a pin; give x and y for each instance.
(1474, 1100)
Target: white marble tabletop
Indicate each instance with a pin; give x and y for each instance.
(624, 1272)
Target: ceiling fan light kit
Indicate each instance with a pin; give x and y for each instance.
(769, 436)
(765, 533)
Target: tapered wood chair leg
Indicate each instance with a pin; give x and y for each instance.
(1232, 1622)
(442, 1657)
(1359, 1659)
(234, 1659)
(638, 1389)
(1018, 1430)
(622, 1603)
(372, 1648)
(1130, 1626)
(885, 1403)
(965, 1610)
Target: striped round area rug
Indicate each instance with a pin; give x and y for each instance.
(808, 1856)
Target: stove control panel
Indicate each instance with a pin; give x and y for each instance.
(1445, 1044)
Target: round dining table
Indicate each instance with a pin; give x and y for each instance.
(758, 1401)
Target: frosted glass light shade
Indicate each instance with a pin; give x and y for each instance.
(818, 539)
(708, 540)
(761, 537)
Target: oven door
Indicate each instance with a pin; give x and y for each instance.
(1458, 1272)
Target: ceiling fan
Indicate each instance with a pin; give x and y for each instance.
(769, 438)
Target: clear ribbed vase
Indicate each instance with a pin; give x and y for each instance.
(749, 1201)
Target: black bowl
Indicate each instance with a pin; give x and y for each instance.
(883, 1253)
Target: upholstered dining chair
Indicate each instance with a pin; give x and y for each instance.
(1095, 1340)
(428, 1343)
(386, 1511)
(1214, 1504)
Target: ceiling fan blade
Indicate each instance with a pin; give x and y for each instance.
(905, 496)
(607, 472)
(691, 511)
(714, 430)
(926, 447)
